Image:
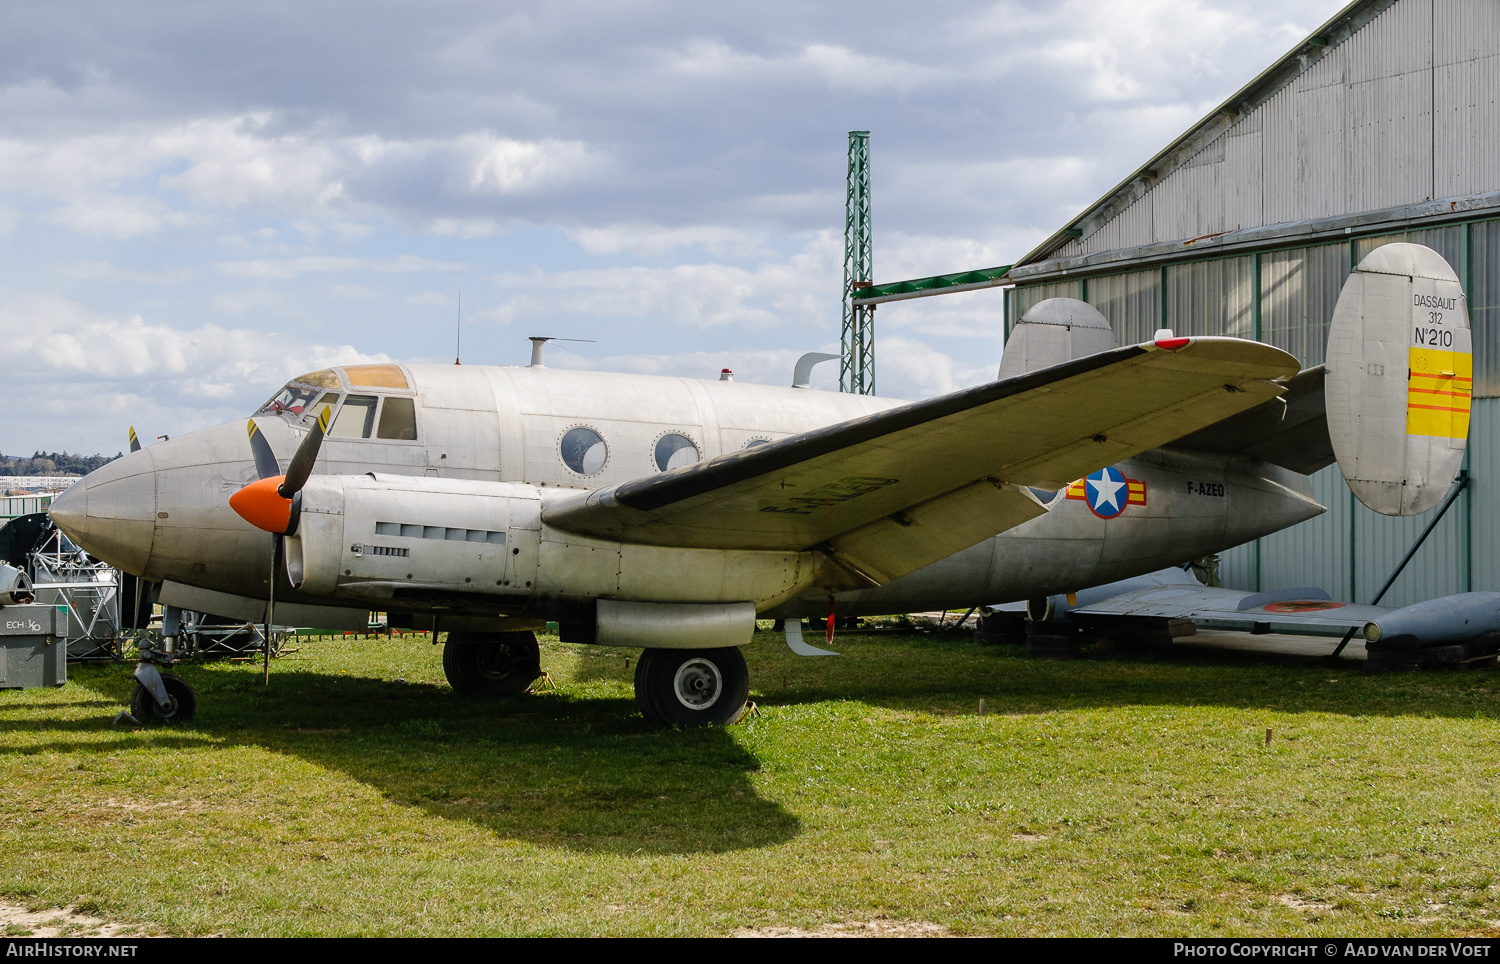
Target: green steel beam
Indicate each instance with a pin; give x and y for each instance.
(857, 358)
(941, 284)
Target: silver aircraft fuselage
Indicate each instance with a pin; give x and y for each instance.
(162, 513)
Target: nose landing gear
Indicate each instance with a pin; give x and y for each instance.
(161, 697)
(179, 704)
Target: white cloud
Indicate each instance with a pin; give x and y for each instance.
(772, 294)
(252, 299)
(500, 165)
(106, 271)
(353, 291)
(657, 239)
(243, 162)
(465, 228)
(92, 368)
(834, 65)
(268, 269)
(119, 216)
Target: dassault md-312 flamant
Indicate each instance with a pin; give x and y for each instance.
(668, 513)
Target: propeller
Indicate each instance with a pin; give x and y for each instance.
(273, 501)
(135, 443)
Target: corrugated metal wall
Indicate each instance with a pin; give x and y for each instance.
(1484, 305)
(1299, 289)
(1131, 301)
(1212, 297)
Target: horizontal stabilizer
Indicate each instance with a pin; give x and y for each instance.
(1291, 431)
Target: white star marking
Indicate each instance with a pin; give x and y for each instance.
(1107, 491)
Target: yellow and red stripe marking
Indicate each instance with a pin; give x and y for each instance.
(1135, 491)
(1438, 392)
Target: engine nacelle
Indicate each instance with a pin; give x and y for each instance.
(674, 625)
(379, 537)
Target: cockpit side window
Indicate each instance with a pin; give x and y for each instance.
(356, 418)
(398, 419)
(330, 399)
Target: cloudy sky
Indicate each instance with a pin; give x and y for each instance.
(199, 200)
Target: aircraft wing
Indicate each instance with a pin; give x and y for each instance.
(1173, 594)
(888, 493)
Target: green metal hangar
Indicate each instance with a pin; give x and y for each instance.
(1382, 126)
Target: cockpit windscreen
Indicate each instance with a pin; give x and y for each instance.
(304, 396)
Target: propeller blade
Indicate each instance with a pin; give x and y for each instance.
(307, 453)
(135, 443)
(271, 605)
(266, 465)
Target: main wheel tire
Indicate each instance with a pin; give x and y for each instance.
(182, 700)
(692, 687)
(491, 664)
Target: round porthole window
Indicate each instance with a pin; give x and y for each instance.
(673, 451)
(583, 450)
(753, 443)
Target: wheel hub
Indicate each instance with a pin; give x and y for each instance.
(698, 684)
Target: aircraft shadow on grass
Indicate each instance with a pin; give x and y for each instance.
(582, 774)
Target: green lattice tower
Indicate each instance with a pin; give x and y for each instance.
(857, 364)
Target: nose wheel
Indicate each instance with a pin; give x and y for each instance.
(181, 703)
(692, 687)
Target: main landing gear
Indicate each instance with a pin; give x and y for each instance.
(692, 687)
(491, 664)
(673, 687)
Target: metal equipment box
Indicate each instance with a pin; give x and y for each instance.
(31, 652)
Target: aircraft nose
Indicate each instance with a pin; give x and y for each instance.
(111, 512)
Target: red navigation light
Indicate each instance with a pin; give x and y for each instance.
(1172, 344)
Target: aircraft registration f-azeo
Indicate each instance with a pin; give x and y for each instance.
(668, 513)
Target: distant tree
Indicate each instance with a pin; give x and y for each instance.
(53, 463)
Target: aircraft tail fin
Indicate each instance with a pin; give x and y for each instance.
(1391, 405)
(1400, 377)
(1052, 332)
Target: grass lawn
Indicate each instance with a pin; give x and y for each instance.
(1114, 796)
